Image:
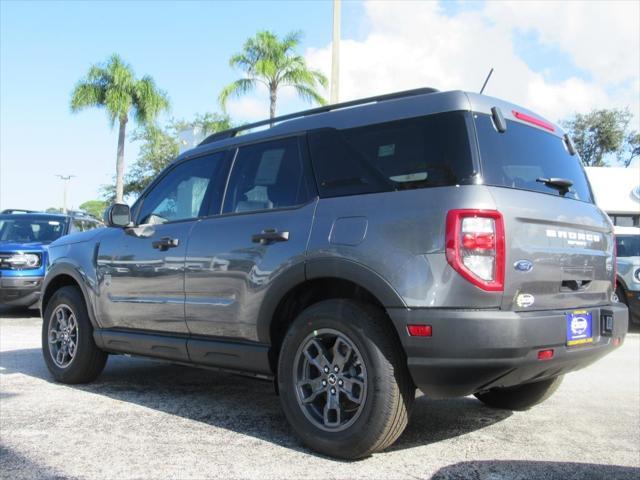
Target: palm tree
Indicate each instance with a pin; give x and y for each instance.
(273, 62)
(114, 87)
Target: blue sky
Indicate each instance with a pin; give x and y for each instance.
(45, 47)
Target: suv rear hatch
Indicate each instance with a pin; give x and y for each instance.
(559, 245)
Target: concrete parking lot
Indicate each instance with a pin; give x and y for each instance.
(148, 420)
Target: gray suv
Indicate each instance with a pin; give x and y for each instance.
(445, 241)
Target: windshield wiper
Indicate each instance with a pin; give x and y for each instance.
(561, 184)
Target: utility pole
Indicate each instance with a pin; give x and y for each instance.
(335, 53)
(65, 179)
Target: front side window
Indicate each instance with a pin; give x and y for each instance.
(183, 192)
(266, 176)
(430, 151)
(522, 156)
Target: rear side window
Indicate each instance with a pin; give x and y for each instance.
(90, 225)
(266, 176)
(429, 151)
(520, 156)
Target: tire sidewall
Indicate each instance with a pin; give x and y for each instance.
(71, 297)
(378, 386)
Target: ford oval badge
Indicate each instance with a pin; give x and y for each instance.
(523, 266)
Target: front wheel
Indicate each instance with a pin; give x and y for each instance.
(68, 348)
(520, 397)
(343, 381)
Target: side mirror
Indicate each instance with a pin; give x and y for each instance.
(117, 215)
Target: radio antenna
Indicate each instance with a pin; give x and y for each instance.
(486, 81)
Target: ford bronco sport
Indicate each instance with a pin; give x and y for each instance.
(445, 241)
(24, 239)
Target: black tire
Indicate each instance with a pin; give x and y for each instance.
(388, 393)
(520, 397)
(88, 360)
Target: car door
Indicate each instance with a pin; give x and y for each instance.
(141, 269)
(234, 258)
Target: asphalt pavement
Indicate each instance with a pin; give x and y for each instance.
(151, 420)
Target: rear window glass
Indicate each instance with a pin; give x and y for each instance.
(429, 151)
(520, 156)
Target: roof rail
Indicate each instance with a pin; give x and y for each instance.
(17, 210)
(232, 132)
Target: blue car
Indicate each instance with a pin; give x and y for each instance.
(24, 239)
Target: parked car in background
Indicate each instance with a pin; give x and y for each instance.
(24, 239)
(445, 241)
(628, 278)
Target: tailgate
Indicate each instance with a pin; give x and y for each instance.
(559, 251)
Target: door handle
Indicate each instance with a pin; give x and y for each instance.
(165, 243)
(269, 235)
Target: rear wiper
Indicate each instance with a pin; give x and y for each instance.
(561, 184)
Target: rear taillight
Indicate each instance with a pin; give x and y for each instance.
(475, 247)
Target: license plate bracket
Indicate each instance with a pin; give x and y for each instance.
(579, 328)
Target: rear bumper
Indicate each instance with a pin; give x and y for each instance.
(20, 291)
(474, 350)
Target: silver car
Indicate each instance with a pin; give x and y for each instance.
(628, 263)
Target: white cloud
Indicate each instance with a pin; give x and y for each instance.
(249, 108)
(600, 36)
(417, 44)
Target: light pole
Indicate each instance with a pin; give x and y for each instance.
(335, 53)
(65, 179)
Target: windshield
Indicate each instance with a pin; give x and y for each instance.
(522, 156)
(29, 230)
(628, 245)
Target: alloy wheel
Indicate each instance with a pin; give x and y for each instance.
(330, 380)
(63, 336)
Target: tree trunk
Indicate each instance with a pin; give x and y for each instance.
(120, 160)
(273, 95)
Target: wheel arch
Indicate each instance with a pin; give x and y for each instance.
(322, 279)
(63, 275)
(621, 282)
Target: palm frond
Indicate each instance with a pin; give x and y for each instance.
(235, 89)
(292, 40)
(148, 101)
(86, 94)
(309, 94)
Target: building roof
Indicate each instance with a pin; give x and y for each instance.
(616, 189)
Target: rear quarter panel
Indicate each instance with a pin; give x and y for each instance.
(401, 237)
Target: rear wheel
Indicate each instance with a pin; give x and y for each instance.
(68, 348)
(343, 381)
(520, 397)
